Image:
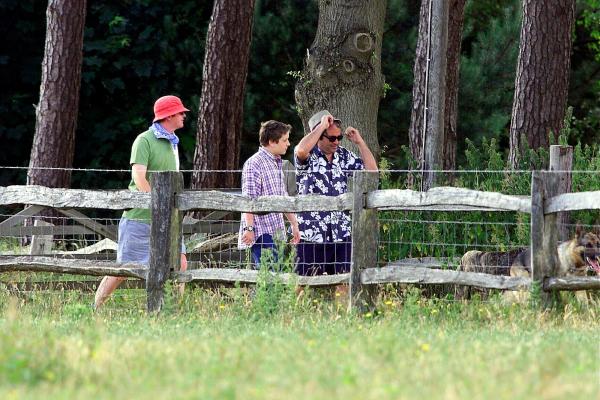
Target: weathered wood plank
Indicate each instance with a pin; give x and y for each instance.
(61, 230)
(165, 235)
(436, 276)
(107, 231)
(573, 202)
(447, 198)
(60, 285)
(229, 275)
(561, 164)
(537, 226)
(20, 216)
(572, 283)
(73, 198)
(103, 257)
(365, 235)
(41, 244)
(102, 245)
(75, 267)
(215, 200)
(211, 227)
(550, 239)
(425, 262)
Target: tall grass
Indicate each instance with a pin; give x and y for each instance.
(211, 345)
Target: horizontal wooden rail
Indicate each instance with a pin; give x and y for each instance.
(572, 283)
(215, 200)
(88, 286)
(58, 230)
(437, 276)
(231, 275)
(73, 198)
(573, 202)
(447, 199)
(397, 274)
(77, 267)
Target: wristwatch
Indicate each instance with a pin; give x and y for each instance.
(249, 228)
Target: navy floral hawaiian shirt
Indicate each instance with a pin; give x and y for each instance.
(319, 176)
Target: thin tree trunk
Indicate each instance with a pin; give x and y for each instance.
(56, 112)
(220, 115)
(456, 11)
(342, 70)
(542, 79)
(417, 121)
(456, 18)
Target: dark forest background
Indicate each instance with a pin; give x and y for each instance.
(138, 50)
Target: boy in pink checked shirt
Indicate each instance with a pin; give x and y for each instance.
(262, 175)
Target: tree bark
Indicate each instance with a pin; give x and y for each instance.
(456, 11)
(417, 120)
(456, 18)
(542, 78)
(342, 71)
(220, 116)
(56, 112)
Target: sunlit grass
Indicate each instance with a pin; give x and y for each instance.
(218, 345)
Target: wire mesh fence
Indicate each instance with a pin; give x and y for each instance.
(423, 238)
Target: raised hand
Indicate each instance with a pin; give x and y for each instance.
(353, 135)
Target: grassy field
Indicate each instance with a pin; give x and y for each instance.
(223, 345)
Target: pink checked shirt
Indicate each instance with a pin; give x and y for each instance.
(262, 175)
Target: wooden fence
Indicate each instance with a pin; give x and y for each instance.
(168, 201)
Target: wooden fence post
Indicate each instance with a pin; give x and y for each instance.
(165, 235)
(561, 159)
(544, 235)
(365, 234)
(41, 244)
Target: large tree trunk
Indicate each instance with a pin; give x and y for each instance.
(447, 139)
(56, 112)
(456, 18)
(342, 73)
(542, 79)
(220, 116)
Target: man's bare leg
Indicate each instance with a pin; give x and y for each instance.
(105, 289)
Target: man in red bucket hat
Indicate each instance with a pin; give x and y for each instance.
(153, 150)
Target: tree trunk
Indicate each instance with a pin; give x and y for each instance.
(456, 17)
(56, 112)
(417, 120)
(447, 158)
(542, 79)
(220, 115)
(342, 70)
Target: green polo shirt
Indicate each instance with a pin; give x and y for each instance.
(156, 155)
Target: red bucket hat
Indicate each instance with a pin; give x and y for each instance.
(166, 106)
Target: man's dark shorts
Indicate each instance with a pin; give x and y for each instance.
(323, 258)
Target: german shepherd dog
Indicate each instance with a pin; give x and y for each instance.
(576, 257)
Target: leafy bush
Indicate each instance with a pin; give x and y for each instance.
(410, 234)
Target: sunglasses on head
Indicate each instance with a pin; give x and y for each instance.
(333, 138)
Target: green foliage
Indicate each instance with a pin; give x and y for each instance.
(591, 21)
(487, 75)
(137, 50)
(272, 295)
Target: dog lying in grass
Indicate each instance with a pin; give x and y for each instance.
(575, 258)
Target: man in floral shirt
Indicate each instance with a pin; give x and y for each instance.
(323, 167)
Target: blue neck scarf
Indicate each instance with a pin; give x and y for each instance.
(162, 133)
